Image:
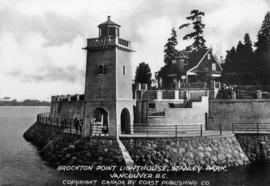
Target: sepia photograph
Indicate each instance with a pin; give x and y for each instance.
(134, 92)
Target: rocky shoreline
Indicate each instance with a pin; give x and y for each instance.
(58, 148)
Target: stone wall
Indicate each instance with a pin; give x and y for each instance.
(193, 115)
(203, 151)
(196, 94)
(226, 112)
(68, 109)
(161, 105)
(256, 146)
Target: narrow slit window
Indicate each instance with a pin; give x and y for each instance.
(124, 70)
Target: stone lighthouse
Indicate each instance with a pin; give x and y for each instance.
(108, 83)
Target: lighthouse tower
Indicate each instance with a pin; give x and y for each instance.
(108, 83)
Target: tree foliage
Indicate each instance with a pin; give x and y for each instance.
(169, 48)
(246, 66)
(143, 74)
(239, 63)
(262, 51)
(197, 35)
(168, 74)
(168, 69)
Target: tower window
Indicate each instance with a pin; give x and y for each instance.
(111, 31)
(100, 69)
(124, 70)
(103, 32)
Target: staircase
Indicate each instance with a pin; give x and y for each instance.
(128, 160)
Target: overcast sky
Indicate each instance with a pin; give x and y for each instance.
(41, 41)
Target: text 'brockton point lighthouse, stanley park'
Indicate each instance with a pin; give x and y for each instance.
(108, 85)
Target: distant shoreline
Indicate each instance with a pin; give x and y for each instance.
(27, 102)
(25, 105)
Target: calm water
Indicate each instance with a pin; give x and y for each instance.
(20, 163)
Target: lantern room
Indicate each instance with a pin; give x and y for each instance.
(108, 29)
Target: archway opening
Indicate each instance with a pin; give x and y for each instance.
(125, 121)
(99, 122)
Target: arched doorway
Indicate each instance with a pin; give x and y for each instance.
(125, 121)
(99, 122)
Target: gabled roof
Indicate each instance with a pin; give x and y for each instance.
(199, 61)
(195, 57)
(108, 22)
(182, 55)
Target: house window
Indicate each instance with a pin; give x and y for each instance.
(173, 61)
(214, 66)
(124, 70)
(152, 105)
(183, 62)
(209, 56)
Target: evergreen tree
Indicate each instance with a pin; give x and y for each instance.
(169, 53)
(264, 35)
(248, 60)
(245, 66)
(143, 74)
(170, 50)
(197, 35)
(248, 43)
(240, 57)
(228, 66)
(263, 51)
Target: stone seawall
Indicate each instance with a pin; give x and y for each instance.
(256, 146)
(203, 151)
(58, 148)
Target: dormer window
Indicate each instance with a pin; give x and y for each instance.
(214, 66)
(209, 56)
